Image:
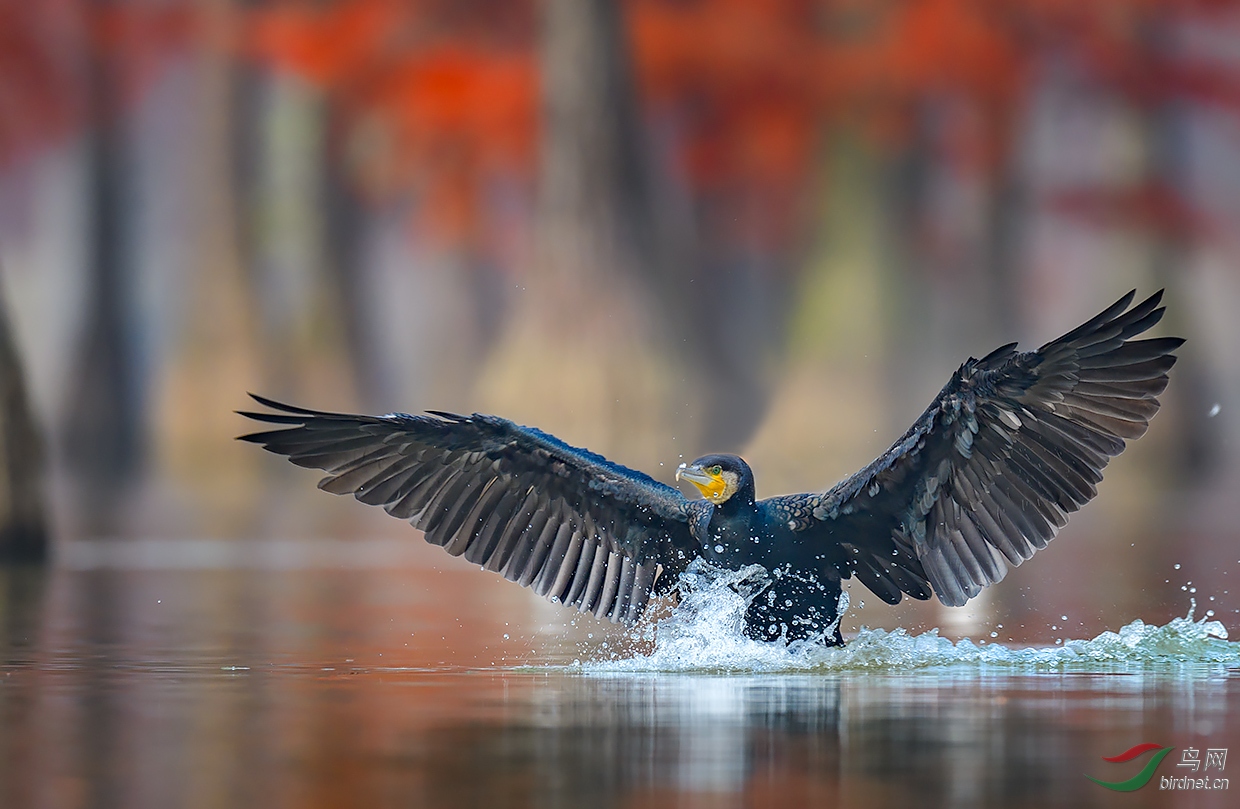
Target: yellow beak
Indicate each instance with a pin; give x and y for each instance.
(711, 486)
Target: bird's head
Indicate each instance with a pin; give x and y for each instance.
(718, 477)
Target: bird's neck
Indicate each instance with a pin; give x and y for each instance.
(730, 535)
(739, 504)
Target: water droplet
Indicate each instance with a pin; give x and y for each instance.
(1215, 409)
(1177, 566)
(718, 549)
(505, 636)
(994, 634)
(1063, 617)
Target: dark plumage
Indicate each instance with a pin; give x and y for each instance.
(1012, 445)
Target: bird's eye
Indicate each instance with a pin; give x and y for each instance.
(716, 470)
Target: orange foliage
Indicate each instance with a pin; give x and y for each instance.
(914, 51)
(745, 88)
(326, 43)
(422, 95)
(439, 97)
(738, 66)
(39, 93)
(138, 39)
(1151, 207)
(49, 49)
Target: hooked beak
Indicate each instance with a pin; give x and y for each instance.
(709, 485)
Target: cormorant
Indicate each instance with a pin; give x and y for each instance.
(1013, 444)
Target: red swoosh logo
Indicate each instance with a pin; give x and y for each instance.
(1131, 753)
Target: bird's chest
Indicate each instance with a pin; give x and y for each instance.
(733, 541)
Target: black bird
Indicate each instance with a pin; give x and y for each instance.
(1013, 444)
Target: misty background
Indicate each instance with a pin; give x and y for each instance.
(654, 228)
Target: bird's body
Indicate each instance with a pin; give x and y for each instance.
(986, 476)
(803, 590)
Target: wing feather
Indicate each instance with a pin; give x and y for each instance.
(541, 548)
(567, 522)
(1012, 445)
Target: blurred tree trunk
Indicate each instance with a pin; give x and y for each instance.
(1199, 445)
(979, 274)
(1006, 215)
(103, 435)
(214, 359)
(23, 524)
(295, 227)
(905, 182)
(594, 199)
(717, 304)
(246, 107)
(586, 350)
(343, 221)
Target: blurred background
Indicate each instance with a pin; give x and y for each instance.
(654, 228)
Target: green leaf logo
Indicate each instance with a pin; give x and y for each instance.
(1140, 779)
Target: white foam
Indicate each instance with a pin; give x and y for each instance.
(704, 634)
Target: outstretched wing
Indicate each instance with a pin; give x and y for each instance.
(990, 472)
(569, 523)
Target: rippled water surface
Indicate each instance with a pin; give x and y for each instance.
(224, 675)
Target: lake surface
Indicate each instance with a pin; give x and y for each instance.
(349, 674)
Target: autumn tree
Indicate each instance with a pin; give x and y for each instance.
(37, 81)
(23, 521)
(74, 66)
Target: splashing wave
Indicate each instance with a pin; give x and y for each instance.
(704, 634)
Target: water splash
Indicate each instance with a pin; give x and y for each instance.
(704, 634)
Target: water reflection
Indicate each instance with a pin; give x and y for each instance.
(576, 740)
(258, 685)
